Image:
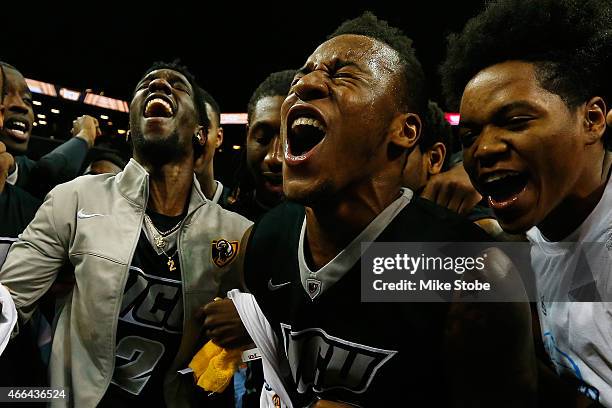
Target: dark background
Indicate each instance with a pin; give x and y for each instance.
(229, 46)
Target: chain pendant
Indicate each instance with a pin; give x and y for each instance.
(160, 242)
(171, 266)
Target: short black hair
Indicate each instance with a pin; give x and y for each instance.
(4, 65)
(568, 41)
(436, 129)
(213, 104)
(109, 156)
(198, 100)
(106, 148)
(276, 84)
(415, 97)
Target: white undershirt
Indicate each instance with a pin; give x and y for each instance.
(578, 335)
(12, 178)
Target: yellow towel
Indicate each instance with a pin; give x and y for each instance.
(213, 366)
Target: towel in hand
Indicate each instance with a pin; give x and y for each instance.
(213, 366)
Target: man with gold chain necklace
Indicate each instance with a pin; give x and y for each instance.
(148, 249)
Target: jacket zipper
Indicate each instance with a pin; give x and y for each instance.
(125, 278)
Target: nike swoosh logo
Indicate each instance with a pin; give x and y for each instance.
(274, 287)
(82, 214)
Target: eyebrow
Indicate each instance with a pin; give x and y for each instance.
(521, 104)
(336, 64)
(340, 63)
(502, 111)
(304, 70)
(261, 124)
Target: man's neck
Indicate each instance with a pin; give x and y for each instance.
(169, 187)
(574, 210)
(330, 228)
(204, 169)
(209, 187)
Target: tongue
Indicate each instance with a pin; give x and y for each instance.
(157, 109)
(305, 138)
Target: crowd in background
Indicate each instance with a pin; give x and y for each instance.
(118, 268)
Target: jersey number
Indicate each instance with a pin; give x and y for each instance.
(142, 355)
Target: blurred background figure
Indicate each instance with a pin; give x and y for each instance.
(104, 161)
(204, 165)
(60, 165)
(259, 184)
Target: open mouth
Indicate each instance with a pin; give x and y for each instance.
(503, 187)
(273, 182)
(17, 128)
(304, 134)
(273, 178)
(158, 106)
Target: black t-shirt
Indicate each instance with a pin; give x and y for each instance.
(17, 209)
(338, 348)
(150, 324)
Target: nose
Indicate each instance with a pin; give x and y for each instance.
(274, 156)
(15, 104)
(311, 86)
(160, 85)
(489, 147)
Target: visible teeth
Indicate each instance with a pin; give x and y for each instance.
(20, 125)
(19, 132)
(308, 122)
(159, 100)
(499, 176)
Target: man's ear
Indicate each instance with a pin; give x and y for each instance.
(219, 137)
(201, 135)
(435, 158)
(406, 130)
(595, 119)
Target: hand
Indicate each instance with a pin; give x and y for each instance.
(7, 162)
(453, 190)
(223, 325)
(87, 128)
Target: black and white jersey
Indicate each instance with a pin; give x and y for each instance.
(150, 325)
(336, 347)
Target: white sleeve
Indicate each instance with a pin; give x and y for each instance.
(8, 317)
(262, 334)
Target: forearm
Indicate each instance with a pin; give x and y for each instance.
(63, 164)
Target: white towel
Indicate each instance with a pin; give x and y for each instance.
(8, 317)
(262, 334)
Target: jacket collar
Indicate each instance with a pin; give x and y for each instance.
(133, 184)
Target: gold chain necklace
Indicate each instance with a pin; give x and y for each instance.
(170, 263)
(160, 242)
